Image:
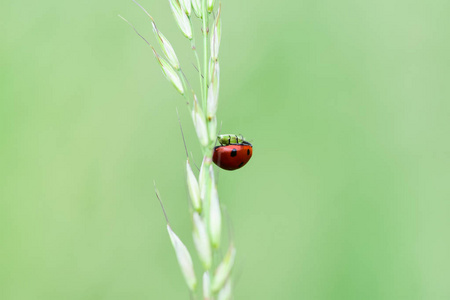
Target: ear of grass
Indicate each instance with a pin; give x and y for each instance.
(184, 259)
(206, 212)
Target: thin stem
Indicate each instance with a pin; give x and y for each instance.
(205, 54)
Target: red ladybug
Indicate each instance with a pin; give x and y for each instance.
(233, 153)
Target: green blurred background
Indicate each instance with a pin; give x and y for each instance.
(346, 103)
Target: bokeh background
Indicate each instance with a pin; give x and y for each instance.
(346, 103)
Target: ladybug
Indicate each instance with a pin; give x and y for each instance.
(233, 152)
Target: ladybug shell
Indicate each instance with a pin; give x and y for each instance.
(232, 157)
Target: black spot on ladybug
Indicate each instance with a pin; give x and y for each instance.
(241, 164)
(248, 151)
(233, 152)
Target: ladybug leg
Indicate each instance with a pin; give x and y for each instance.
(237, 139)
(229, 139)
(218, 140)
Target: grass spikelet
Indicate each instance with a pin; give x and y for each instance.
(206, 208)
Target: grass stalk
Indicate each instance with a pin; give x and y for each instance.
(205, 54)
(205, 207)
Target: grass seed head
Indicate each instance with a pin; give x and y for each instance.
(194, 191)
(213, 91)
(186, 6)
(201, 241)
(200, 125)
(169, 72)
(207, 216)
(210, 68)
(197, 6)
(212, 128)
(223, 270)
(184, 259)
(225, 292)
(181, 19)
(210, 4)
(166, 48)
(204, 170)
(215, 217)
(215, 37)
(206, 286)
